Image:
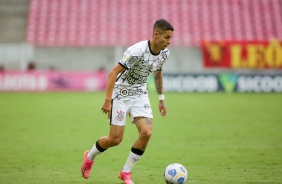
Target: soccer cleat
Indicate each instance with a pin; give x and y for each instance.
(86, 166)
(125, 176)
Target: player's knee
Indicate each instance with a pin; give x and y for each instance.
(146, 135)
(114, 141)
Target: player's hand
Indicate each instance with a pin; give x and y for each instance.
(162, 108)
(106, 108)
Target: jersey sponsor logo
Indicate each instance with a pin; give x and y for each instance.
(124, 92)
(131, 92)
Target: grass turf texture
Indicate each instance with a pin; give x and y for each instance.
(219, 138)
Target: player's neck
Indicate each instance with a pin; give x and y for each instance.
(153, 48)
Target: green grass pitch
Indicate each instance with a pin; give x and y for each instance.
(219, 138)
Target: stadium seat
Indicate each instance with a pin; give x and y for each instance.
(124, 22)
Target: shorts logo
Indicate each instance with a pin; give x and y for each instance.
(147, 106)
(120, 115)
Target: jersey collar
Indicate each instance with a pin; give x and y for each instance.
(151, 50)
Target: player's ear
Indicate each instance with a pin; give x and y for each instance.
(156, 33)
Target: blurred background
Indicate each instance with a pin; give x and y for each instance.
(218, 45)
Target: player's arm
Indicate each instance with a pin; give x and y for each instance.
(110, 86)
(158, 78)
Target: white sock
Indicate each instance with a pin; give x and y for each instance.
(93, 153)
(131, 161)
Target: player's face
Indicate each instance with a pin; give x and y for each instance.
(163, 39)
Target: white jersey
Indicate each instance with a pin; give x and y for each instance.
(139, 62)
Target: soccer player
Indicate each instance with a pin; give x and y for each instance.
(127, 94)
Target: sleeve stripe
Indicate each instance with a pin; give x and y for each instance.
(123, 65)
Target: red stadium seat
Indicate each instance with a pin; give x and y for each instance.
(124, 22)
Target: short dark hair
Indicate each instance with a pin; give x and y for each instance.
(163, 25)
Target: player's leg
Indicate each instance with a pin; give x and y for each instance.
(144, 126)
(117, 123)
(113, 139)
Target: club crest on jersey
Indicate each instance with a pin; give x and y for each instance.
(120, 115)
(160, 63)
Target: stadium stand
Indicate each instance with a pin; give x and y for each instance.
(123, 22)
(13, 15)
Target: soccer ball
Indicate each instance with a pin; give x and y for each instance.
(175, 174)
